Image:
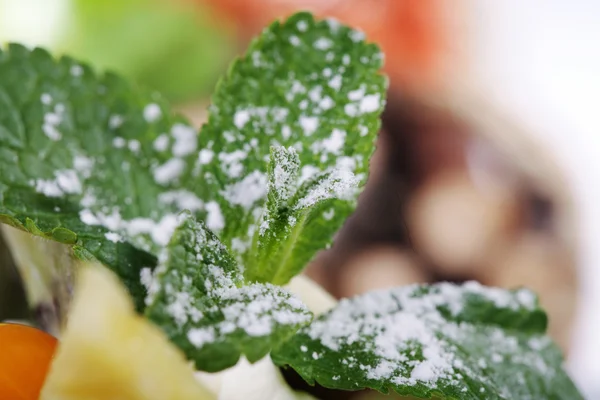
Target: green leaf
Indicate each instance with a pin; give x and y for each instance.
(313, 86)
(288, 212)
(95, 162)
(91, 161)
(196, 296)
(443, 341)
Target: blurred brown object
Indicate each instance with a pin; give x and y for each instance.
(378, 268)
(455, 224)
(543, 265)
(413, 34)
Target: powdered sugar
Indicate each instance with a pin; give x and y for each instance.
(308, 124)
(240, 118)
(169, 171)
(52, 119)
(186, 140)
(338, 183)
(66, 181)
(248, 191)
(214, 217)
(152, 112)
(404, 336)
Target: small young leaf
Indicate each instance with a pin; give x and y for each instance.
(313, 86)
(289, 209)
(196, 296)
(442, 341)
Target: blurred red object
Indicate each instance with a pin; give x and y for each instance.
(412, 33)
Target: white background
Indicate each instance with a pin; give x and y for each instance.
(541, 59)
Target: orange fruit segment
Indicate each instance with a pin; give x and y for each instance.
(25, 356)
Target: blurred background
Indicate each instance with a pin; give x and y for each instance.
(487, 162)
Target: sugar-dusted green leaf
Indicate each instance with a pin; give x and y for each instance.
(91, 161)
(313, 86)
(443, 341)
(96, 163)
(289, 209)
(197, 297)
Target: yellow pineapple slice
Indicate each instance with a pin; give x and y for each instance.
(109, 352)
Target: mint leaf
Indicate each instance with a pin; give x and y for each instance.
(97, 164)
(288, 211)
(90, 161)
(196, 296)
(443, 341)
(313, 86)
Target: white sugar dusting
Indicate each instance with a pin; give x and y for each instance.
(355, 95)
(338, 184)
(331, 145)
(308, 124)
(323, 43)
(357, 36)
(214, 217)
(169, 171)
(113, 237)
(326, 103)
(48, 188)
(334, 24)
(205, 156)
(335, 82)
(186, 140)
(118, 142)
(46, 99)
(286, 132)
(240, 246)
(134, 145)
(52, 119)
(370, 103)
(412, 339)
(181, 199)
(66, 181)
(282, 184)
(161, 143)
(76, 70)
(152, 113)
(115, 121)
(240, 118)
(247, 191)
(307, 172)
(302, 26)
(232, 164)
(200, 336)
(83, 165)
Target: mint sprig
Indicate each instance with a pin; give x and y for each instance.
(290, 208)
(312, 86)
(197, 296)
(439, 341)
